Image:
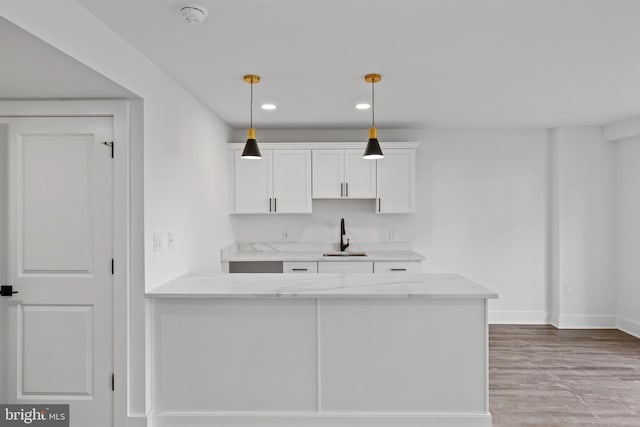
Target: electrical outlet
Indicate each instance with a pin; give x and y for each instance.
(158, 242)
(285, 235)
(171, 241)
(393, 234)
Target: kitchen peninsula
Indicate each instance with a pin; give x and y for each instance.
(325, 350)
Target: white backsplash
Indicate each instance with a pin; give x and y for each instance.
(323, 225)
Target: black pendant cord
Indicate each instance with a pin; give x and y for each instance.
(373, 104)
(251, 109)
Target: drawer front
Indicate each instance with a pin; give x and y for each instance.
(345, 267)
(397, 267)
(299, 267)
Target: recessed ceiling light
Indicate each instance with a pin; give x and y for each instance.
(268, 106)
(363, 106)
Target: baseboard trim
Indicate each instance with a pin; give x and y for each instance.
(518, 317)
(323, 420)
(563, 321)
(581, 321)
(629, 326)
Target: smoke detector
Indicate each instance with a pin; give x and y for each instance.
(193, 13)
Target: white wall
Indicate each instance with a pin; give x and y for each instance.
(584, 228)
(628, 180)
(481, 211)
(184, 166)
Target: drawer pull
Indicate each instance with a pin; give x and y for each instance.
(398, 269)
(300, 269)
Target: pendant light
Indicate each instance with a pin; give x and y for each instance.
(373, 150)
(251, 150)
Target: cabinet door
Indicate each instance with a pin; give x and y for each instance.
(396, 181)
(359, 175)
(292, 181)
(253, 183)
(328, 174)
(345, 267)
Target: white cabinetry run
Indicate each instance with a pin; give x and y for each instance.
(290, 174)
(280, 182)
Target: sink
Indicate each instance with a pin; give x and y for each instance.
(345, 254)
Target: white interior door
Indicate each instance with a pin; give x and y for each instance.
(57, 339)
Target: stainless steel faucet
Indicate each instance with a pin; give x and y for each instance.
(343, 233)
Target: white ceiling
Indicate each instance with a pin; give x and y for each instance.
(33, 69)
(445, 63)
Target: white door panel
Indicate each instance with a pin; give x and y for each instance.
(328, 174)
(396, 181)
(253, 183)
(292, 181)
(58, 342)
(360, 176)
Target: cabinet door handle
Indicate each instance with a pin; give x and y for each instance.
(398, 269)
(347, 189)
(275, 204)
(379, 203)
(300, 269)
(342, 189)
(269, 204)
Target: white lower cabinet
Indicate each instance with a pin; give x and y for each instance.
(397, 267)
(299, 267)
(345, 267)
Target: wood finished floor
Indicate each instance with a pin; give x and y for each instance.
(542, 376)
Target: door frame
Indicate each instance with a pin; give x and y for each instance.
(120, 111)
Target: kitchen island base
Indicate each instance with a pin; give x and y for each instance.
(321, 362)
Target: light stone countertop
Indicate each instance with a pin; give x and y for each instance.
(313, 253)
(382, 286)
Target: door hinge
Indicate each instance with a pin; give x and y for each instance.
(113, 267)
(113, 382)
(109, 144)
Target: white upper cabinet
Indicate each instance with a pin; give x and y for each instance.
(359, 175)
(280, 182)
(292, 181)
(328, 174)
(253, 183)
(340, 174)
(396, 181)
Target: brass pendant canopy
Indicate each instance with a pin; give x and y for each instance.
(373, 150)
(251, 149)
